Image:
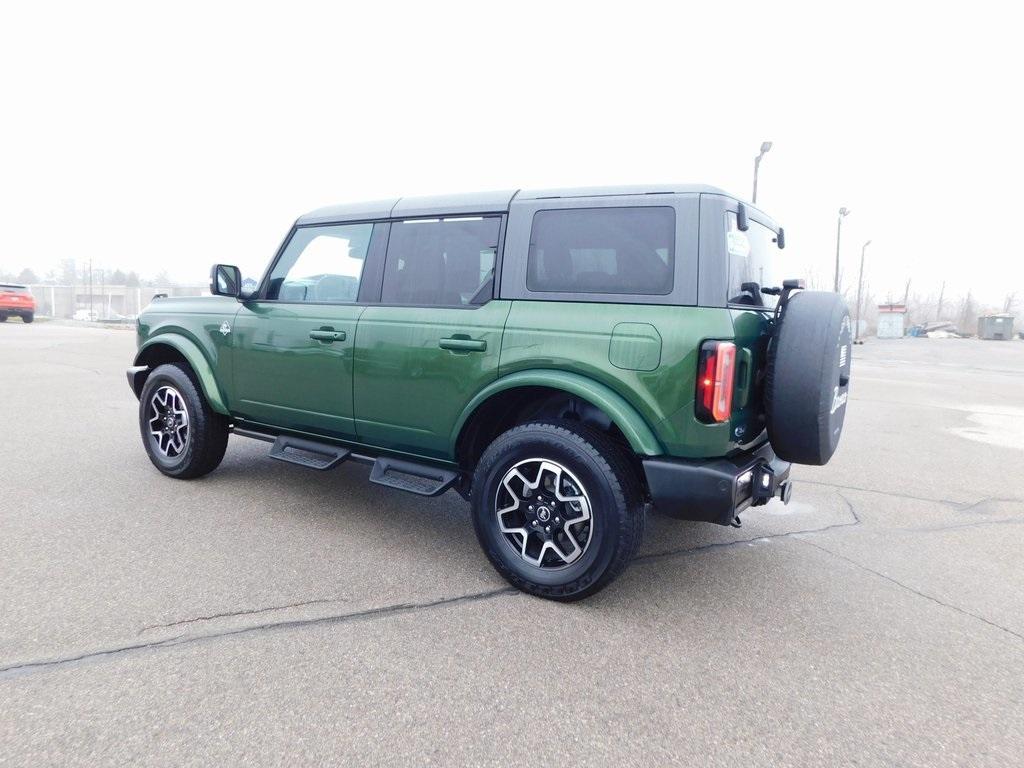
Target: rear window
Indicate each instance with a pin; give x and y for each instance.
(753, 258)
(14, 289)
(603, 250)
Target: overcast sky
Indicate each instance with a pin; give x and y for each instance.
(167, 137)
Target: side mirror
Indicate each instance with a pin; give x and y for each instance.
(741, 218)
(225, 280)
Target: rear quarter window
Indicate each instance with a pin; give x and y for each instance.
(627, 251)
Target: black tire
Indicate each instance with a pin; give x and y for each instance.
(28, 318)
(3, 317)
(808, 377)
(206, 437)
(609, 483)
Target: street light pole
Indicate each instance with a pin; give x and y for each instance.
(765, 146)
(843, 212)
(860, 286)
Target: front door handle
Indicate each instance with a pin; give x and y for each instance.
(463, 344)
(327, 335)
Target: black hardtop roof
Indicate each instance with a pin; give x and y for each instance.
(485, 202)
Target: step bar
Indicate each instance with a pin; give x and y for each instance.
(401, 474)
(308, 453)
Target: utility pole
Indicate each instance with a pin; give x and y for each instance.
(860, 286)
(765, 146)
(90, 289)
(942, 290)
(843, 212)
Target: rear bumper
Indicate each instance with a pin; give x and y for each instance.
(717, 490)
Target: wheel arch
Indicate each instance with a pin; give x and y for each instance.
(514, 391)
(175, 348)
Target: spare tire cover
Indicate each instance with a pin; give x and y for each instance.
(808, 377)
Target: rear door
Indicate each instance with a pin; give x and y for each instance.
(433, 341)
(752, 261)
(293, 346)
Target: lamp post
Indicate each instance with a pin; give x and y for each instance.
(860, 285)
(843, 212)
(765, 146)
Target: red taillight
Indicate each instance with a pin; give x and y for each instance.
(716, 374)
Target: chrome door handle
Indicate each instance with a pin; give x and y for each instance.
(327, 335)
(457, 344)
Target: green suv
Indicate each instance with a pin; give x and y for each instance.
(563, 359)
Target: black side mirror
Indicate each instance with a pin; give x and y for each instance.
(225, 280)
(741, 218)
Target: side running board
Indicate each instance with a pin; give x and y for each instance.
(421, 479)
(307, 453)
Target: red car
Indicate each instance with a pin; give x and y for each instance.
(16, 300)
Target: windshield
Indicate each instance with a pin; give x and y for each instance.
(753, 258)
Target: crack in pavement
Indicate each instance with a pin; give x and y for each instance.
(683, 551)
(896, 494)
(959, 506)
(910, 589)
(29, 667)
(15, 670)
(244, 612)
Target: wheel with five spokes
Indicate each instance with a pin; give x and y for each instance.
(557, 508)
(184, 437)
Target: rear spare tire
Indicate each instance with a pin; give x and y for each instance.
(808, 377)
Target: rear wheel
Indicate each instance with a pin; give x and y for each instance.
(28, 317)
(183, 436)
(557, 509)
(3, 317)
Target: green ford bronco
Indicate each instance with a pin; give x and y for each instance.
(563, 359)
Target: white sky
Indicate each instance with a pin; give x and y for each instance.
(170, 136)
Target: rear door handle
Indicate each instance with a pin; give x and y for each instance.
(462, 344)
(327, 335)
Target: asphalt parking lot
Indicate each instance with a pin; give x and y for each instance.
(268, 614)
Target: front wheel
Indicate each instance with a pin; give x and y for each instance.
(557, 509)
(183, 436)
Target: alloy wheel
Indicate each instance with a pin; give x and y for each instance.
(168, 421)
(544, 513)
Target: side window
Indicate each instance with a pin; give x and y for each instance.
(602, 250)
(441, 262)
(321, 265)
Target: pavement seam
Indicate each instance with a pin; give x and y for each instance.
(684, 551)
(950, 502)
(30, 667)
(244, 612)
(910, 589)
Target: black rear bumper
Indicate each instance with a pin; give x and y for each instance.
(717, 490)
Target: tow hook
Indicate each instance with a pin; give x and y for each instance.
(736, 522)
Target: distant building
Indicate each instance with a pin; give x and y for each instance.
(995, 327)
(891, 319)
(105, 300)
